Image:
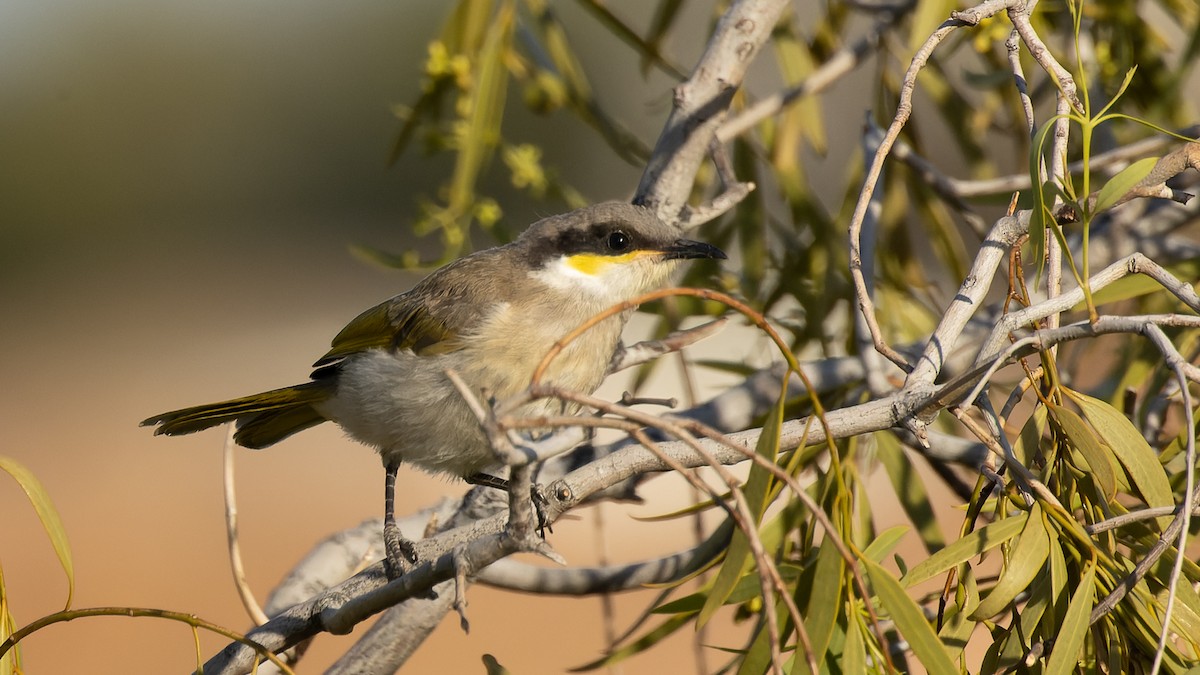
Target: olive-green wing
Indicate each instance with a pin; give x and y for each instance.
(431, 318)
(391, 325)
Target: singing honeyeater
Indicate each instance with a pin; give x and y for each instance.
(491, 317)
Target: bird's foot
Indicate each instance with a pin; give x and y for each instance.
(538, 496)
(400, 552)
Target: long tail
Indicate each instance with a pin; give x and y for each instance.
(262, 419)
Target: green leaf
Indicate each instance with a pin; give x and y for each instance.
(617, 27)
(1084, 440)
(1133, 286)
(854, 653)
(1186, 615)
(910, 621)
(11, 661)
(1056, 590)
(1043, 200)
(1040, 596)
(823, 603)
(970, 546)
(1123, 182)
(885, 542)
(738, 556)
(465, 29)
(487, 108)
(1068, 643)
(803, 119)
(1132, 450)
(910, 490)
(493, 667)
(927, 16)
(756, 660)
(47, 514)
(958, 626)
(1026, 558)
(1120, 92)
(639, 645)
(1026, 447)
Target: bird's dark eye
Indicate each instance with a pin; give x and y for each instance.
(618, 241)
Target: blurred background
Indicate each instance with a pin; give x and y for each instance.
(180, 187)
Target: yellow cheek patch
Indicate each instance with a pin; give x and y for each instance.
(593, 264)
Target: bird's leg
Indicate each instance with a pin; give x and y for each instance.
(535, 494)
(397, 547)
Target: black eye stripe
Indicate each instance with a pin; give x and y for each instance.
(610, 237)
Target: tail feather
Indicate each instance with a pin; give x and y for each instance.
(269, 428)
(263, 419)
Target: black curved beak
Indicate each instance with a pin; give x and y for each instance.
(686, 249)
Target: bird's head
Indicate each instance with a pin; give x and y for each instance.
(609, 252)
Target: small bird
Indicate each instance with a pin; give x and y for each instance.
(491, 317)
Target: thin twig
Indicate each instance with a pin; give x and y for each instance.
(1173, 359)
(231, 533)
(904, 109)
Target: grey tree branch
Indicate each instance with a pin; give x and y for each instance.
(700, 106)
(518, 576)
(839, 65)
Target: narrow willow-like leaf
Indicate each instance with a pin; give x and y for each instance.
(958, 626)
(1132, 450)
(885, 542)
(738, 556)
(10, 662)
(1012, 650)
(1123, 182)
(1098, 458)
(1117, 96)
(1042, 199)
(970, 546)
(639, 645)
(910, 490)
(47, 514)
(1126, 288)
(803, 119)
(757, 658)
(926, 18)
(411, 119)
(1026, 558)
(1186, 615)
(746, 588)
(854, 653)
(910, 620)
(824, 604)
(466, 29)
(613, 24)
(1057, 593)
(492, 666)
(1068, 642)
(1030, 439)
(487, 109)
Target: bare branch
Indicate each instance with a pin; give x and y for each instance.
(843, 62)
(700, 106)
(643, 352)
